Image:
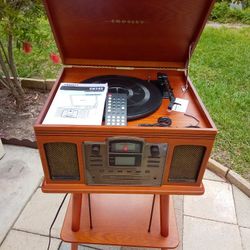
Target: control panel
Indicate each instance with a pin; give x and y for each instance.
(124, 161)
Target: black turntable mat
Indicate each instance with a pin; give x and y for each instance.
(143, 97)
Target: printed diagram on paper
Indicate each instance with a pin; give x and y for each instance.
(78, 104)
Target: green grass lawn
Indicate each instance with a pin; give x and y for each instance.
(220, 69)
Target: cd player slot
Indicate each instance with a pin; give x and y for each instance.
(124, 177)
(95, 160)
(125, 182)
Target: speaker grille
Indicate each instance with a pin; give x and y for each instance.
(186, 163)
(62, 160)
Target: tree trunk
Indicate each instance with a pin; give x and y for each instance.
(13, 67)
(8, 67)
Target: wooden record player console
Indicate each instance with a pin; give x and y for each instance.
(132, 39)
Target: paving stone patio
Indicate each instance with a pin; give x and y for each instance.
(217, 220)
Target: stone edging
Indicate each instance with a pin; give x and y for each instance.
(213, 165)
(41, 84)
(230, 176)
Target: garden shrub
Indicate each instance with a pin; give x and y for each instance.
(220, 11)
(224, 14)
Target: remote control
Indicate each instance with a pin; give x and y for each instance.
(116, 109)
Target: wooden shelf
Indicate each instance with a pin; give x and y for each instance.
(121, 219)
(83, 188)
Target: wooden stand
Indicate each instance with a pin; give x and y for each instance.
(120, 219)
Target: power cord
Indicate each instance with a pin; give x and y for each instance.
(54, 220)
(60, 245)
(162, 121)
(193, 126)
(165, 121)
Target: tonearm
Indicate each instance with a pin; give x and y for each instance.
(166, 89)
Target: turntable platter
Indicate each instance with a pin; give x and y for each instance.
(143, 97)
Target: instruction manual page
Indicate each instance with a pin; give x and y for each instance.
(78, 104)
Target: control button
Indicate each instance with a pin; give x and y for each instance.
(95, 150)
(155, 151)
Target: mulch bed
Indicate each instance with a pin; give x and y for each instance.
(16, 125)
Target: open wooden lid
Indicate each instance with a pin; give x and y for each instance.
(136, 33)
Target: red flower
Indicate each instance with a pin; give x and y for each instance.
(54, 58)
(27, 47)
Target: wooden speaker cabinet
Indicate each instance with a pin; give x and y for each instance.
(132, 39)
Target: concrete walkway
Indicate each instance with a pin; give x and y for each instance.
(218, 220)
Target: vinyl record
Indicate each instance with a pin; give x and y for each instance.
(143, 97)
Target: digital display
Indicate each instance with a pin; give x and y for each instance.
(127, 146)
(124, 161)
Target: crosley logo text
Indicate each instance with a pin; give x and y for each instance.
(124, 21)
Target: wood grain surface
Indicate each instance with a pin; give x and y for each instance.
(121, 220)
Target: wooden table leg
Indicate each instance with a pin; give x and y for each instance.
(76, 213)
(164, 214)
(74, 246)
